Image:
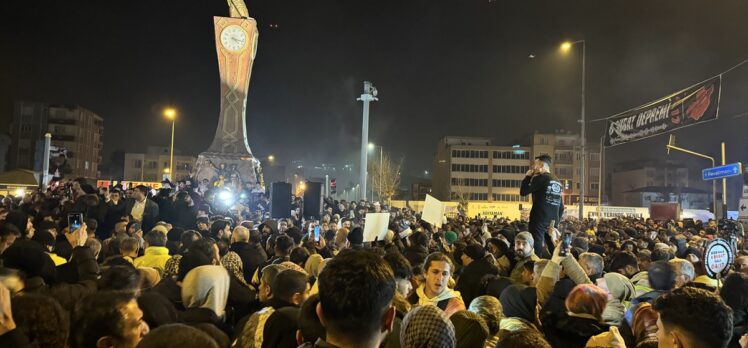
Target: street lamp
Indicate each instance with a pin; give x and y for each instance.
(171, 114)
(271, 158)
(566, 47)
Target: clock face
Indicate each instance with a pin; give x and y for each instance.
(233, 38)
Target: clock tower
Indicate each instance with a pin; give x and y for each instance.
(229, 161)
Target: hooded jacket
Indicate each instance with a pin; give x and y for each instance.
(622, 292)
(449, 301)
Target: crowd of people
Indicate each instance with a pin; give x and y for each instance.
(188, 267)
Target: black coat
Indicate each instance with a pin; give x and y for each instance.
(69, 294)
(150, 213)
(416, 255)
(280, 328)
(113, 214)
(469, 282)
(572, 332)
(252, 257)
(185, 216)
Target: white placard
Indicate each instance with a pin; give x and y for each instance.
(433, 211)
(376, 226)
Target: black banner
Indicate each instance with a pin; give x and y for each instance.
(695, 104)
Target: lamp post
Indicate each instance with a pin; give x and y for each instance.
(171, 114)
(565, 47)
(369, 95)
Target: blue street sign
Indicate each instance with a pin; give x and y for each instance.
(726, 171)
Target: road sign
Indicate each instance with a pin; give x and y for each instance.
(726, 171)
(743, 208)
(718, 258)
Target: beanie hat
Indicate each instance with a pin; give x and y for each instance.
(475, 251)
(526, 236)
(450, 237)
(356, 237)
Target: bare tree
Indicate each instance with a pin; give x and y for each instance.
(385, 177)
(461, 194)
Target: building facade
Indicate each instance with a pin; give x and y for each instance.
(154, 164)
(75, 129)
(640, 183)
(473, 169)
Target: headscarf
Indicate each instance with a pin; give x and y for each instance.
(489, 308)
(206, 287)
(233, 263)
(470, 329)
(620, 286)
(519, 301)
(293, 266)
(313, 265)
(171, 269)
(426, 327)
(645, 322)
(149, 277)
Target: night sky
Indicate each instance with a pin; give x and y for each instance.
(444, 67)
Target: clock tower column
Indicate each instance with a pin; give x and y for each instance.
(229, 160)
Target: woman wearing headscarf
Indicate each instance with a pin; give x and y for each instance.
(620, 292)
(470, 329)
(313, 267)
(233, 263)
(582, 320)
(518, 303)
(205, 292)
(644, 325)
(425, 327)
(489, 308)
(241, 295)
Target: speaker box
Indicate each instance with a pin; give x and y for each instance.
(313, 201)
(280, 200)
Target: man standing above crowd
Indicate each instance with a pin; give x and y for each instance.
(142, 209)
(547, 202)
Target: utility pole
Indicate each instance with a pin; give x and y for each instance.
(583, 177)
(671, 146)
(369, 95)
(45, 161)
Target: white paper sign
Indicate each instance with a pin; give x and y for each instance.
(376, 226)
(433, 211)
